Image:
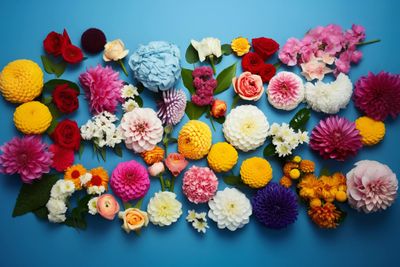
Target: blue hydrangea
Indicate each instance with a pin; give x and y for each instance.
(156, 65)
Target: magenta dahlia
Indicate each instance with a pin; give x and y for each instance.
(171, 107)
(130, 180)
(103, 88)
(199, 184)
(378, 96)
(335, 138)
(28, 156)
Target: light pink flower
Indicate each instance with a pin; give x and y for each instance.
(156, 169)
(314, 69)
(199, 184)
(285, 90)
(176, 163)
(107, 206)
(290, 51)
(248, 86)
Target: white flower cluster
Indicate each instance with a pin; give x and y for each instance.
(128, 93)
(102, 130)
(286, 139)
(56, 205)
(92, 205)
(198, 220)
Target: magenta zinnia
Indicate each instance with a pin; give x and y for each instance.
(102, 88)
(335, 138)
(378, 96)
(28, 156)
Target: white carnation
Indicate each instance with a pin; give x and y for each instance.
(56, 218)
(92, 206)
(129, 91)
(56, 206)
(85, 178)
(96, 190)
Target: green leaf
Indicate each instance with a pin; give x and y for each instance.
(77, 217)
(139, 101)
(194, 112)
(41, 213)
(102, 151)
(118, 150)
(269, 150)
(81, 149)
(187, 79)
(277, 65)
(34, 196)
(47, 100)
(235, 101)
(232, 179)
(52, 126)
(324, 172)
(127, 205)
(226, 49)
(192, 56)
(172, 140)
(140, 87)
(49, 86)
(300, 119)
(220, 120)
(224, 79)
(52, 67)
(55, 113)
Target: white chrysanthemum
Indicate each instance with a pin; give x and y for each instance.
(329, 97)
(164, 209)
(96, 190)
(191, 216)
(303, 137)
(56, 208)
(246, 127)
(85, 178)
(200, 225)
(92, 206)
(129, 91)
(129, 105)
(56, 218)
(67, 187)
(283, 149)
(230, 209)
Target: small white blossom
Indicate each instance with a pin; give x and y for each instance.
(96, 190)
(200, 225)
(129, 91)
(191, 216)
(92, 205)
(130, 105)
(85, 178)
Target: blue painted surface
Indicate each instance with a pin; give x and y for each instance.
(362, 240)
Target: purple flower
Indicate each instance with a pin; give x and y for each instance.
(171, 107)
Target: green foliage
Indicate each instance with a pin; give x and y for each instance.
(269, 150)
(187, 79)
(191, 55)
(300, 119)
(193, 111)
(53, 67)
(232, 180)
(224, 79)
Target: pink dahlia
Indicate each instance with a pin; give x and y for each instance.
(199, 184)
(103, 88)
(171, 107)
(285, 90)
(378, 96)
(130, 180)
(371, 186)
(141, 129)
(335, 138)
(28, 156)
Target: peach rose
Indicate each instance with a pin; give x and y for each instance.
(248, 86)
(134, 219)
(107, 206)
(114, 51)
(218, 108)
(156, 169)
(176, 163)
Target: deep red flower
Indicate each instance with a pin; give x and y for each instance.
(267, 71)
(72, 54)
(264, 47)
(53, 43)
(65, 98)
(67, 135)
(93, 40)
(62, 157)
(252, 62)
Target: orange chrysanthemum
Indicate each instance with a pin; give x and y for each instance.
(329, 187)
(285, 181)
(340, 180)
(153, 156)
(99, 177)
(309, 186)
(326, 216)
(73, 174)
(307, 166)
(288, 167)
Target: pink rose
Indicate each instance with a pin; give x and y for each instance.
(176, 163)
(248, 86)
(107, 206)
(156, 169)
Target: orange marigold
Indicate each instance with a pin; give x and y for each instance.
(153, 156)
(288, 167)
(340, 180)
(326, 216)
(99, 177)
(307, 166)
(309, 186)
(329, 188)
(285, 181)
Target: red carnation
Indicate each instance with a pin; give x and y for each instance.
(67, 135)
(53, 43)
(62, 158)
(252, 62)
(267, 71)
(264, 47)
(65, 98)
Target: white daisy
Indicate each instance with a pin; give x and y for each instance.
(129, 91)
(200, 225)
(92, 205)
(191, 216)
(130, 105)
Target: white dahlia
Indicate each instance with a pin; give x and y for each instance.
(246, 127)
(230, 209)
(329, 97)
(164, 209)
(141, 129)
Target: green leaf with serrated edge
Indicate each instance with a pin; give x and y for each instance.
(324, 172)
(194, 112)
(53, 67)
(118, 150)
(187, 79)
(300, 119)
(41, 213)
(232, 179)
(224, 79)
(49, 86)
(269, 150)
(52, 126)
(139, 101)
(226, 49)
(81, 149)
(220, 120)
(34, 196)
(191, 55)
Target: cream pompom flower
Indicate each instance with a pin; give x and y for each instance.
(246, 127)
(164, 209)
(230, 209)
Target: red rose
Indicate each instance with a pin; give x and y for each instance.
(67, 135)
(267, 72)
(62, 157)
(252, 62)
(71, 53)
(264, 47)
(65, 98)
(53, 43)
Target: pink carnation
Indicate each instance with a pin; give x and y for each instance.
(204, 83)
(285, 90)
(290, 51)
(103, 88)
(199, 184)
(130, 180)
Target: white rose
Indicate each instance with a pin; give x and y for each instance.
(114, 51)
(206, 47)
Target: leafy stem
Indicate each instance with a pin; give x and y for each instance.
(369, 42)
(122, 66)
(162, 182)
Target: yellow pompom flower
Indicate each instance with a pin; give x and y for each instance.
(153, 156)
(294, 174)
(194, 140)
(285, 181)
(222, 157)
(21, 81)
(296, 159)
(315, 202)
(256, 172)
(371, 131)
(341, 196)
(32, 118)
(240, 46)
(73, 173)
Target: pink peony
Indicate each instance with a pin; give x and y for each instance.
(371, 186)
(336, 138)
(314, 69)
(248, 86)
(130, 180)
(107, 206)
(103, 88)
(199, 184)
(28, 156)
(378, 95)
(176, 163)
(285, 90)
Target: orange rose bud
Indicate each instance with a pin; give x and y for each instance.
(218, 108)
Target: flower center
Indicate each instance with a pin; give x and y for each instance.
(23, 158)
(96, 180)
(75, 174)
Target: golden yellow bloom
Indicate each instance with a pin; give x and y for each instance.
(256, 172)
(194, 140)
(326, 216)
(371, 131)
(240, 46)
(285, 181)
(21, 81)
(153, 156)
(309, 186)
(222, 157)
(32, 118)
(341, 196)
(294, 174)
(307, 166)
(329, 188)
(99, 177)
(296, 159)
(315, 202)
(288, 167)
(73, 173)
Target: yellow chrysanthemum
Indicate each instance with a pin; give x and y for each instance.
(194, 140)
(371, 131)
(73, 173)
(99, 177)
(153, 156)
(294, 174)
(309, 187)
(32, 118)
(307, 166)
(285, 181)
(240, 46)
(222, 157)
(256, 172)
(21, 81)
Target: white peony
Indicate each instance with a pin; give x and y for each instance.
(164, 209)
(206, 47)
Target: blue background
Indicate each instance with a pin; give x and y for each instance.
(368, 240)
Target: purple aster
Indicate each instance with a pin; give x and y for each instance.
(275, 206)
(171, 107)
